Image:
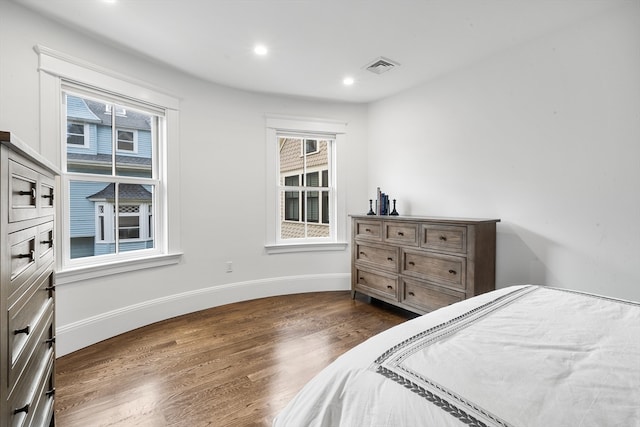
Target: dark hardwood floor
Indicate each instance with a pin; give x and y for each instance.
(234, 365)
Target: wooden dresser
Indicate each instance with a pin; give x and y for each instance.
(422, 263)
(27, 297)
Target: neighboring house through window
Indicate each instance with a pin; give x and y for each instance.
(126, 156)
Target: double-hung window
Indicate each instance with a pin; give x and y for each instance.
(114, 139)
(306, 208)
(112, 187)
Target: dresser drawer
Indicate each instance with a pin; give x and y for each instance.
(445, 269)
(385, 257)
(23, 192)
(377, 283)
(28, 317)
(44, 399)
(27, 396)
(427, 297)
(22, 247)
(444, 238)
(45, 243)
(46, 197)
(371, 230)
(401, 233)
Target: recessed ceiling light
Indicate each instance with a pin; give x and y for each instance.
(348, 81)
(260, 49)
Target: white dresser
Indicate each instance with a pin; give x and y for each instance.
(27, 292)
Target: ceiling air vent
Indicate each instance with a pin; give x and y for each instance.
(381, 65)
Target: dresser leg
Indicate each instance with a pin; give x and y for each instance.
(353, 294)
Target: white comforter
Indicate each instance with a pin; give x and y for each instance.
(519, 356)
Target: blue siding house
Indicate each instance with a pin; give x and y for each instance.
(95, 137)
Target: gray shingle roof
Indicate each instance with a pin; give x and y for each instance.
(106, 159)
(126, 193)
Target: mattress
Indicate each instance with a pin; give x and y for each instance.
(519, 356)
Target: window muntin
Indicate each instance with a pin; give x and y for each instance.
(305, 209)
(116, 173)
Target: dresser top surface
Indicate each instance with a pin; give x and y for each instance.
(16, 144)
(434, 219)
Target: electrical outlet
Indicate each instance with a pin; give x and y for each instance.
(229, 266)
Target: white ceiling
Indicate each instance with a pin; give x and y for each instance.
(314, 44)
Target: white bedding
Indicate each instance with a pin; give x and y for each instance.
(519, 356)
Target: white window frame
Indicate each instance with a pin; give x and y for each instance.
(277, 125)
(56, 69)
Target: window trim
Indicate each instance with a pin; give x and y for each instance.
(56, 67)
(335, 129)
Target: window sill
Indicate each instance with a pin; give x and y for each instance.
(305, 247)
(106, 269)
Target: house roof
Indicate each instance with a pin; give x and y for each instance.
(126, 193)
(106, 159)
(132, 120)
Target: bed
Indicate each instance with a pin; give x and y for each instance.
(518, 356)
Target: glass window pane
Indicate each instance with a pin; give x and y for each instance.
(313, 179)
(88, 136)
(312, 206)
(91, 218)
(291, 160)
(134, 144)
(135, 203)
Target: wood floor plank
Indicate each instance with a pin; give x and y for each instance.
(234, 365)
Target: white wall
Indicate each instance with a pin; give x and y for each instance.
(545, 136)
(222, 189)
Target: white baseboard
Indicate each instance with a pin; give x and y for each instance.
(80, 334)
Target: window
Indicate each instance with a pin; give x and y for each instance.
(126, 184)
(76, 134)
(127, 140)
(118, 153)
(307, 210)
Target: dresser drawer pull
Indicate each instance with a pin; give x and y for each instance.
(389, 259)
(24, 330)
(411, 294)
(362, 253)
(46, 242)
(24, 409)
(389, 287)
(47, 196)
(50, 288)
(443, 238)
(368, 230)
(412, 263)
(51, 392)
(50, 341)
(31, 193)
(31, 255)
(400, 233)
(453, 272)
